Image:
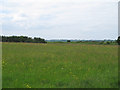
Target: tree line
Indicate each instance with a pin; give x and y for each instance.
(37, 40)
(22, 39)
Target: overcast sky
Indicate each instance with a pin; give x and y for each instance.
(60, 19)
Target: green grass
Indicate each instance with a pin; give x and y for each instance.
(28, 65)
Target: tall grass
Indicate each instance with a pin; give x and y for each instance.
(59, 66)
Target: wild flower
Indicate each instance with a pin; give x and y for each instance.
(27, 86)
(4, 63)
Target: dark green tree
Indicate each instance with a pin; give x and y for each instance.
(22, 39)
(118, 40)
(68, 41)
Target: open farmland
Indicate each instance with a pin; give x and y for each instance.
(32, 65)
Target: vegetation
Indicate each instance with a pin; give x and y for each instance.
(102, 42)
(22, 39)
(68, 41)
(118, 40)
(59, 65)
(40, 40)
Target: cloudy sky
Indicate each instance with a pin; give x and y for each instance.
(60, 19)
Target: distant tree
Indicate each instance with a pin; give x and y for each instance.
(118, 40)
(22, 39)
(68, 41)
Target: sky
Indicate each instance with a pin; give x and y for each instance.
(60, 19)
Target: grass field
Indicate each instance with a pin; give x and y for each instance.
(31, 65)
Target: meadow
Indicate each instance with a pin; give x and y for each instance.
(59, 65)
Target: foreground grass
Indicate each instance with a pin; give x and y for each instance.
(59, 66)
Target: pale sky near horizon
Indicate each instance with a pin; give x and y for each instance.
(60, 19)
